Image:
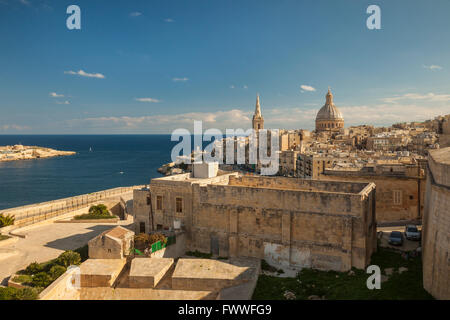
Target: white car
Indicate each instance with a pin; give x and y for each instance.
(412, 233)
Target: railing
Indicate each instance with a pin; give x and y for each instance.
(33, 213)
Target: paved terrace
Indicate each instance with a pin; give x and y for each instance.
(47, 240)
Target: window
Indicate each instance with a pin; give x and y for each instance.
(148, 201)
(397, 197)
(179, 205)
(141, 227)
(158, 202)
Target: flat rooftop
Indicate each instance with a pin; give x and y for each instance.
(149, 267)
(213, 269)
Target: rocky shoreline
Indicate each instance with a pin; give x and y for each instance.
(20, 152)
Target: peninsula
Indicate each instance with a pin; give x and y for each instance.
(20, 152)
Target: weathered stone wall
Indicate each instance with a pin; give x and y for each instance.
(320, 230)
(141, 210)
(33, 213)
(436, 226)
(169, 190)
(412, 193)
(63, 288)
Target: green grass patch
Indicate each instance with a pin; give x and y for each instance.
(23, 279)
(199, 254)
(88, 216)
(344, 286)
(10, 293)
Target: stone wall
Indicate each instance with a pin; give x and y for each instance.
(66, 287)
(436, 226)
(411, 190)
(297, 228)
(34, 213)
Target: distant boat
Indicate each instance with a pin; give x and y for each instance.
(121, 172)
(90, 149)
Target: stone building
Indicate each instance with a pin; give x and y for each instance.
(111, 244)
(288, 221)
(400, 189)
(142, 214)
(436, 226)
(288, 162)
(329, 118)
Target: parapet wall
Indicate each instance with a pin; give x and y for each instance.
(33, 213)
(436, 226)
(297, 184)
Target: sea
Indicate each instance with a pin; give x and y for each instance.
(101, 162)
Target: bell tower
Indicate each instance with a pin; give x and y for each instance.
(258, 120)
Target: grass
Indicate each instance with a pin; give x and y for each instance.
(23, 279)
(3, 237)
(88, 216)
(199, 254)
(342, 286)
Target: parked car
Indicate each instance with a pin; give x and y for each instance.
(412, 233)
(396, 238)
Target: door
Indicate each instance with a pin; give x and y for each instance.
(215, 246)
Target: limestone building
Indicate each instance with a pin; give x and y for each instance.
(258, 120)
(287, 221)
(436, 225)
(329, 118)
(111, 244)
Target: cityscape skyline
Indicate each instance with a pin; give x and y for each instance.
(152, 68)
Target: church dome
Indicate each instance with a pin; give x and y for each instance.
(329, 111)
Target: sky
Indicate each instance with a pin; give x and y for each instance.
(154, 66)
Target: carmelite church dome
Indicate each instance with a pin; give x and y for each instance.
(329, 118)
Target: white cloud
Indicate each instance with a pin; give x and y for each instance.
(135, 14)
(232, 86)
(431, 97)
(433, 67)
(55, 95)
(63, 102)
(169, 20)
(305, 87)
(147, 100)
(85, 74)
(15, 127)
(180, 79)
(167, 123)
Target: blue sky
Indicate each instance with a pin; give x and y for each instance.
(153, 66)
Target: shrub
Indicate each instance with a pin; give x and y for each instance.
(99, 210)
(144, 240)
(41, 279)
(10, 293)
(56, 271)
(6, 220)
(23, 279)
(84, 252)
(33, 268)
(155, 237)
(69, 258)
(267, 267)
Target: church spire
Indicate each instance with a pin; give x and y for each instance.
(258, 107)
(258, 120)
